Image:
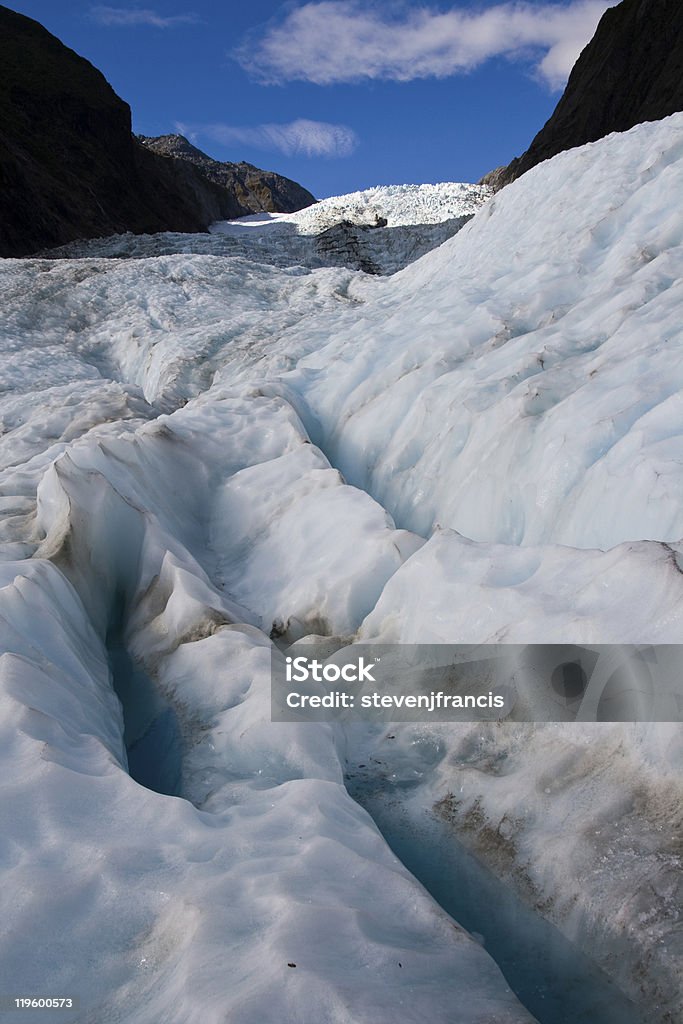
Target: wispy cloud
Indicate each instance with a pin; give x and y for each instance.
(139, 16)
(349, 41)
(298, 138)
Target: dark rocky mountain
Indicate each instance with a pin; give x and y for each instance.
(630, 72)
(254, 189)
(70, 167)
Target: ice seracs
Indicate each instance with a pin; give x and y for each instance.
(396, 205)
(380, 230)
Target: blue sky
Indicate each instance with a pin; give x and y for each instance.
(337, 94)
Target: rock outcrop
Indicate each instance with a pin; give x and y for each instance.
(254, 190)
(70, 167)
(630, 72)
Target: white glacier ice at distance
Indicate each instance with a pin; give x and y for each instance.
(399, 205)
(218, 440)
(391, 226)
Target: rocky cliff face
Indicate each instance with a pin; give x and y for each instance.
(70, 167)
(630, 72)
(254, 190)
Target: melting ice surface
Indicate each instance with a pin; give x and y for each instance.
(231, 438)
(550, 975)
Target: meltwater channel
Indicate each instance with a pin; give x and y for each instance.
(550, 975)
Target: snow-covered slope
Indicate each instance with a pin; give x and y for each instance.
(200, 449)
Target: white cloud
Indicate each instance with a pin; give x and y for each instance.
(139, 16)
(348, 41)
(298, 138)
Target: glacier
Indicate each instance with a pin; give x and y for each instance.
(379, 230)
(211, 444)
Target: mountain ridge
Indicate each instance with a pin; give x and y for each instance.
(631, 71)
(70, 167)
(255, 190)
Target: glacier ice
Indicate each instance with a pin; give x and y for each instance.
(221, 440)
(380, 230)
